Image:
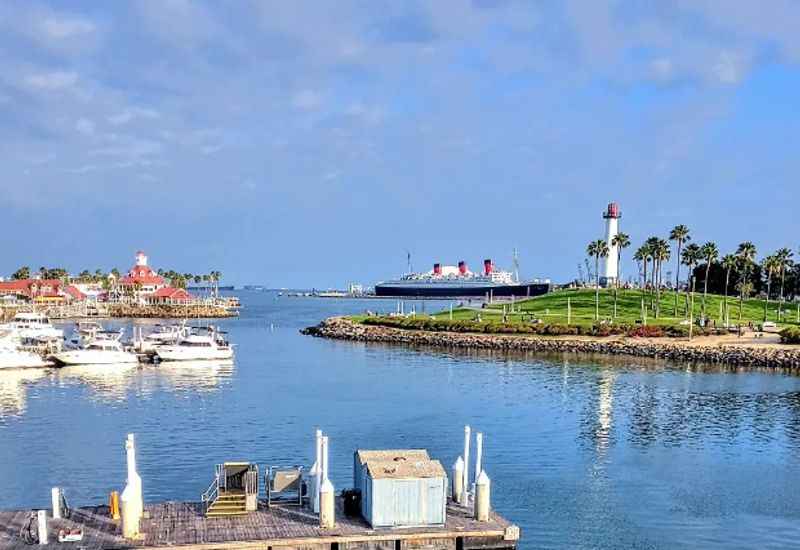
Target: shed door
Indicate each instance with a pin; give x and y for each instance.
(406, 502)
(435, 510)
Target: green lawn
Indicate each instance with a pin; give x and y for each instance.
(552, 308)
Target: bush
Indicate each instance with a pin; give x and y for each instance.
(646, 331)
(790, 335)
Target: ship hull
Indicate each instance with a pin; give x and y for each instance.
(521, 290)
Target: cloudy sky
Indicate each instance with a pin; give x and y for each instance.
(310, 143)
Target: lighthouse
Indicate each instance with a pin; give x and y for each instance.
(608, 268)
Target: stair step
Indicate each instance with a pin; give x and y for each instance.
(213, 514)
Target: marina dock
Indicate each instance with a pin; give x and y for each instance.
(183, 525)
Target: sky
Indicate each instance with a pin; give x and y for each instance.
(312, 143)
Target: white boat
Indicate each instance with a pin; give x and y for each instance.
(87, 332)
(98, 352)
(164, 335)
(11, 357)
(33, 326)
(197, 347)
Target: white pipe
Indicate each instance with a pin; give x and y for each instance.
(41, 517)
(318, 472)
(478, 454)
(324, 458)
(467, 434)
(55, 498)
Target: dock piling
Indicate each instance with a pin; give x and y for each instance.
(467, 437)
(55, 498)
(478, 454)
(132, 501)
(41, 521)
(327, 519)
(482, 497)
(458, 480)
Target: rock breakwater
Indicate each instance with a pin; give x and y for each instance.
(341, 328)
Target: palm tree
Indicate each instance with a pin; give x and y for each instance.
(22, 273)
(784, 256)
(690, 256)
(729, 262)
(710, 253)
(770, 265)
(679, 234)
(746, 253)
(620, 241)
(597, 249)
(661, 254)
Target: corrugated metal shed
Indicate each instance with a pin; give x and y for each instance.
(401, 488)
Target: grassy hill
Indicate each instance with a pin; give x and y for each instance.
(552, 308)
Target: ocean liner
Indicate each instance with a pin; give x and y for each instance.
(458, 282)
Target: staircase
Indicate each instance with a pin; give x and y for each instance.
(228, 504)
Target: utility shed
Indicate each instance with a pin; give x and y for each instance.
(404, 492)
(361, 456)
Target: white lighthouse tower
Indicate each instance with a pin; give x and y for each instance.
(608, 268)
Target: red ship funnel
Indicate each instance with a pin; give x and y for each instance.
(487, 267)
(437, 269)
(462, 267)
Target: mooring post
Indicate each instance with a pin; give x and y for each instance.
(458, 480)
(478, 454)
(482, 499)
(132, 502)
(41, 520)
(55, 498)
(467, 435)
(327, 519)
(317, 472)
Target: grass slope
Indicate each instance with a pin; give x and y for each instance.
(552, 308)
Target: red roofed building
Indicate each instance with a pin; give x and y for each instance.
(41, 290)
(147, 286)
(169, 295)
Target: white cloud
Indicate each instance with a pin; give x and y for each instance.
(60, 28)
(85, 126)
(307, 100)
(52, 81)
(127, 115)
(729, 68)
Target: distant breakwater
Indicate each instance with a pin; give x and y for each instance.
(341, 328)
(171, 311)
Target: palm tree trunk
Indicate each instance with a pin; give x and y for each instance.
(658, 289)
(725, 309)
(780, 299)
(766, 302)
(597, 287)
(705, 287)
(616, 286)
(678, 279)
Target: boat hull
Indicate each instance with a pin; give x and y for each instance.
(180, 353)
(403, 290)
(88, 357)
(22, 360)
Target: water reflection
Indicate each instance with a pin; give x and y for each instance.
(109, 383)
(193, 375)
(14, 387)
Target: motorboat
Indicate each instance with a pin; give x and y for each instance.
(33, 326)
(97, 352)
(87, 332)
(197, 347)
(12, 357)
(163, 335)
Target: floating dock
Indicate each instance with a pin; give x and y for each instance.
(184, 525)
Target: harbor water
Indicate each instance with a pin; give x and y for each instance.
(582, 453)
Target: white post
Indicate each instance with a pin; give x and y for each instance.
(467, 434)
(327, 519)
(324, 458)
(41, 518)
(478, 453)
(482, 497)
(458, 480)
(318, 472)
(55, 498)
(132, 502)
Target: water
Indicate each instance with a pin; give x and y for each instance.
(583, 454)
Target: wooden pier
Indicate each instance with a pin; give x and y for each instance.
(184, 525)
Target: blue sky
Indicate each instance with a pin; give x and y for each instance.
(310, 143)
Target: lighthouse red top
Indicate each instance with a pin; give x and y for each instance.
(612, 211)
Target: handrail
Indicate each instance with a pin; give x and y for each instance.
(211, 494)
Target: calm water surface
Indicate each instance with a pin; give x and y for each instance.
(583, 454)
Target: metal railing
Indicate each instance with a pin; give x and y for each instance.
(211, 494)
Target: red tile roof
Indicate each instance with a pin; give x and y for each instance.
(171, 293)
(143, 275)
(75, 293)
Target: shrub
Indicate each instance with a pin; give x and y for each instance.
(790, 335)
(646, 331)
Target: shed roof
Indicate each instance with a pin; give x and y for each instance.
(404, 469)
(392, 454)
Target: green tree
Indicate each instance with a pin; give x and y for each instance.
(710, 253)
(84, 276)
(620, 241)
(22, 273)
(597, 249)
(643, 255)
(746, 253)
(661, 254)
(679, 234)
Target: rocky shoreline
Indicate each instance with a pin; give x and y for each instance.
(170, 311)
(341, 328)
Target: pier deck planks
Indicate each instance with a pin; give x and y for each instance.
(183, 524)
